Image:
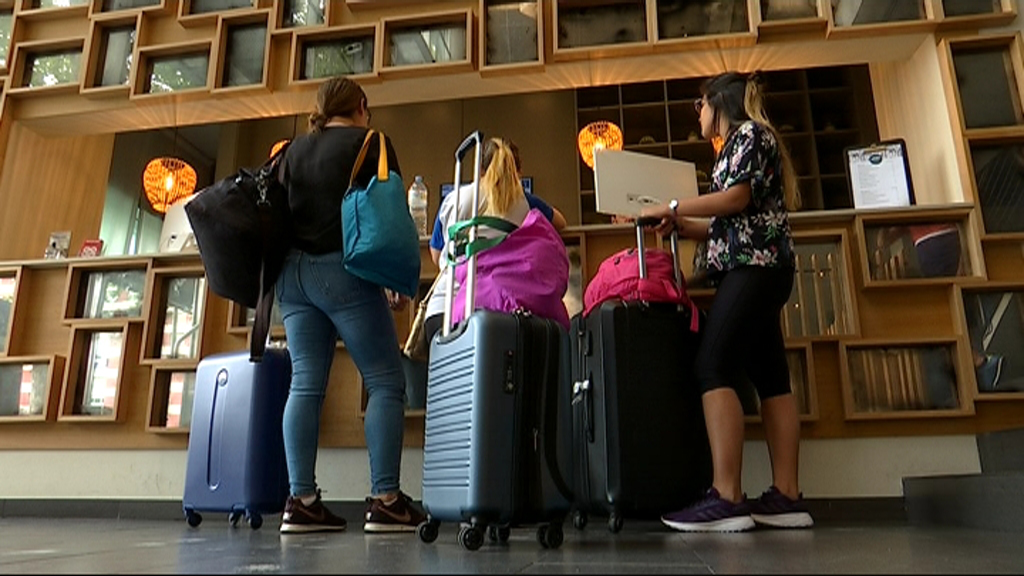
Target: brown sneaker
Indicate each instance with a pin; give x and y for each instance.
(300, 518)
(401, 516)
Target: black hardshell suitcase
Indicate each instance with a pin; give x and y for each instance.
(496, 428)
(640, 444)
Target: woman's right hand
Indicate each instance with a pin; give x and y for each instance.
(665, 215)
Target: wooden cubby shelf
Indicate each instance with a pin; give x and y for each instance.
(100, 358)
(920, 378)
(99, 291)
(318, 53)
(10, 284)
(511, 35)
(991, 327)
(175, 315)
(171, 392)
(241, 53)
(109, 51)
(181, 69)
(29, 388)
(430, 44)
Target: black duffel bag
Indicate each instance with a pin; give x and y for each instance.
(243, 227)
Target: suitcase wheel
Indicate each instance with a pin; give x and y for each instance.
(255, 520)
(471, 537)
(499, 533)
(194, 519)
(550, 536)
(234, 518)
(614, 523)
(579, 520)
(427, 531)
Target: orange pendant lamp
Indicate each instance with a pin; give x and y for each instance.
(167, 180)
(596, 136)
(277, 146)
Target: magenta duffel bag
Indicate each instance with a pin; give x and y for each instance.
(529, 271)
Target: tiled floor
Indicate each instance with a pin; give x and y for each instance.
(34, 545)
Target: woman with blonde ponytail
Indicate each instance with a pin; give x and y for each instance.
(750, 257)
(501, 196)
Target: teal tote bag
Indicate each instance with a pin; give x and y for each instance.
(381, 244)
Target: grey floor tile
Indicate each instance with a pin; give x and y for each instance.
(46, 545)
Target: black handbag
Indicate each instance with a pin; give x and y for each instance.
(243, 227)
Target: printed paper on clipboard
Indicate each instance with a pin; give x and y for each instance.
(879, 175)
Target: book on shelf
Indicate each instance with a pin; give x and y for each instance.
(91, 248)
(57, 246)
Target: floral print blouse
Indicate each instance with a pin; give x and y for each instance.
(759, 235)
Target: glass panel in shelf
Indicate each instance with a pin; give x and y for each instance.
(205, 6)
(181, 393)
(901, 378)
(112, 5)
(969, 7)
(303, 13)
(511, 31)
(244, 57)
(800, 152)
(8, 285)
(434, 44)
(858, 12)
(686, 19)
(116, 53)
(999, 175)
(683, 89)
(276, 320)
(988, 87)
(835, 192)
(6, 23)
(52, 68)
(340, 57)
(98, 392)
(177, 72)
(901, 251)
(56, 3)
(819, 304)
(183, 314)
(584, 23)
(995, 324)
(114, 294)
(788, 9)
(23, 389)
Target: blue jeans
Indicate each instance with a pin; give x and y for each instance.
(320, 301)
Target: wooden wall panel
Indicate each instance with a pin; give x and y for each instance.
(51, 184)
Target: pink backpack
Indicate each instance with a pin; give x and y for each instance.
(618, 278)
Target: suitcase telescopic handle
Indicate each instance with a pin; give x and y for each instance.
(644, 222)
(474, 140)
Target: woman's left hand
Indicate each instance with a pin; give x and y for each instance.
(396, 301)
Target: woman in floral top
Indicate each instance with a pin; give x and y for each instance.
(750, 257)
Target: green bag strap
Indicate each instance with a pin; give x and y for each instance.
(463, 247)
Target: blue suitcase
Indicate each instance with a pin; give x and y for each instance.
(236, 461)
(498, 422)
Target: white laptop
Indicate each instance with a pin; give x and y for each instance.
(626, 182)
(176, 233)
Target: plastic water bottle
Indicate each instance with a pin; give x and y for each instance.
(418, 205)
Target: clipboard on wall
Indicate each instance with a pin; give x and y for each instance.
(879, 175)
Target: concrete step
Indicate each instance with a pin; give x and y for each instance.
(988, 501)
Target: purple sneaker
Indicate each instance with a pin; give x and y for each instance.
(712, 514)
(774, 508)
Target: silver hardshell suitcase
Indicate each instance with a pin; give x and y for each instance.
(498, 420)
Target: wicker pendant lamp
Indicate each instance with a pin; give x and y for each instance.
(596, 136)
(277, 146)
(167, 180)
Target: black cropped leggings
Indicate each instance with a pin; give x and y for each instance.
(742, 339)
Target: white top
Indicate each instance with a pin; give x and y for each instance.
(517, 214)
